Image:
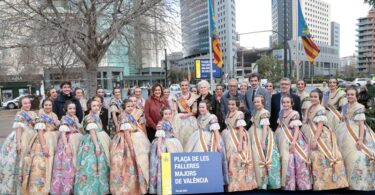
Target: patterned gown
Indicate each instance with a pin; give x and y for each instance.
(129, 163)
(333, 105)
(184, 127)
(10, 160)
(241, 167)
(203, 140)
(359, 163)
(169, 144)
(64, 165)
(266, 162)
(92, 171)
(296, 174)
(37, 167)
(328, 168)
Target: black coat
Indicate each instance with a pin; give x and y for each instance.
(275, 108)
(58, 106)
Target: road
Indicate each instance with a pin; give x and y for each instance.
(6, 121)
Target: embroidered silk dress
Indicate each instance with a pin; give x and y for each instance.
(203, 140)
(184, 127)
(328, 168)
(333, 104)
(10, 160)
(64, 165)
(241, 166)
(266, 162)
(359, 163)
(37, 167)
(92, 171)
(169, 144)
(129, 163)
(296, 174)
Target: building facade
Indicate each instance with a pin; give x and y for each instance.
(195, 32)
(326, 35)
(366, 44)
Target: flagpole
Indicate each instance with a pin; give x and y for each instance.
(210, 42)
(297, 42)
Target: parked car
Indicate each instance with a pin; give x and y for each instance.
(362, 81)
(12, 104)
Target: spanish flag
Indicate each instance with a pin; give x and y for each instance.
(311, 49)
(216, 50)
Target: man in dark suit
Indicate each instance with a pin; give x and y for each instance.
(285, 85)
(254, 90)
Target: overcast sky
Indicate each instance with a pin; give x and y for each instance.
(255, 15)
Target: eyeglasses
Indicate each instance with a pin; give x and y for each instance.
(269, 86)
(284, 84)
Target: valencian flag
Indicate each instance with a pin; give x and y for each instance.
(311, 50)
(216, 50)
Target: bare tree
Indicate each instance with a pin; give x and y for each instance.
(88, 27)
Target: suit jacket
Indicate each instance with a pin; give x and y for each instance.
(275, 108)
(224, 102)
(260, 91)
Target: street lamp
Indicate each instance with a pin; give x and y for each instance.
(286, 47)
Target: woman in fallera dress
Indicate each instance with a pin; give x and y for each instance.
(14, 148)
(207, 137)
(357, 144)
(93, 156)
(38, 162)
(130, 150)
(266, 155)
(293, 147)
(64, 164)
(303, 95)
(328, 168)
(185, 106)
(333, 100)
(138, 114)
(238, 150)
(165, 141)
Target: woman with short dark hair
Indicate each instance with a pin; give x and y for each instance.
(152, 110)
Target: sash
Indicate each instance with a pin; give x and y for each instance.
(289, 137)
(167, 127)
(139, 104)
(183, 103)
(202, 141)
(46, 118)
(330, 155)
(334, 111)
(245, 157)
(134, 121)
(266, 161)
(70, 121)
(27, 117)
(365, 149)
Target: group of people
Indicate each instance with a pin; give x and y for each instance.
(303, 141)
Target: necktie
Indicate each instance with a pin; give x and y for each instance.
(252, 98)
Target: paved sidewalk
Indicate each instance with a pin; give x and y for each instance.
(6, 121)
